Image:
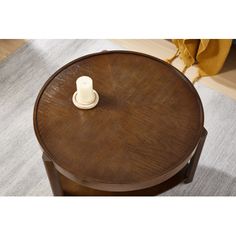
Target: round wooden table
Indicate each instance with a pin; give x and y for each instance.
(144, 136)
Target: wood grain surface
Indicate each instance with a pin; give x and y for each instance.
(144, 130)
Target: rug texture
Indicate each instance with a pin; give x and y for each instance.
(21, 168)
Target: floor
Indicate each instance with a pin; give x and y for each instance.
(9, 46)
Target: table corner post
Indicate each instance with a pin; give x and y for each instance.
(53, 176)
(192, 166)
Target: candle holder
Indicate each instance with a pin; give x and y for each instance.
(85, 97)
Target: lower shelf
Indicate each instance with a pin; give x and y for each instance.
(71, 188)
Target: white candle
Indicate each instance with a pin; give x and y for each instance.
(85, 93)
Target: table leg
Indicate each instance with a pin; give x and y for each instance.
(53, 176)
(194, 161)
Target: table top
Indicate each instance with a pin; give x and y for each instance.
(144, 129)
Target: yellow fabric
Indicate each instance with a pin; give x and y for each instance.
(209, 54)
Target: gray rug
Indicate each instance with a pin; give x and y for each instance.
(21, 169)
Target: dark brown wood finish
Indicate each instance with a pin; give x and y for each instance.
(53, 176)
(194, 160)
(144, 131)
(73, 189)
